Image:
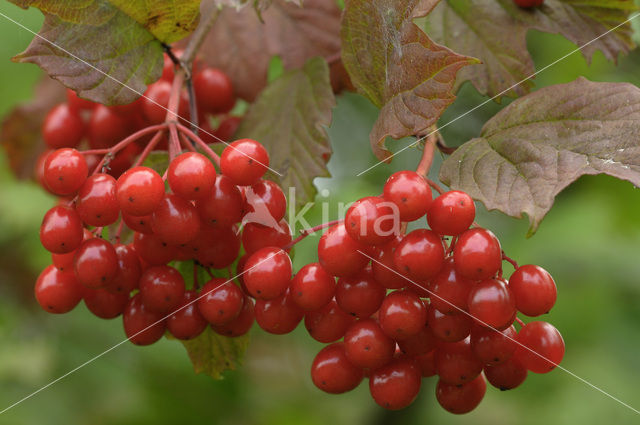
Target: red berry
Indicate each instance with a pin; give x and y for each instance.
(217, 247)
(227, 128)
(402, 315)
(187, 322)
(140, 191)
(161, 289)
(152, 250)
(175, 220)
(265, 202)
(256, 236)
(461, 399)
(534, 290)
(241, 324)
(339, 254)
(372, 220)
(449, 327)
(96, 263)
(367, 346)
(214, 91)
(419, 343)
(77, 103)
(278, 316)
(477, 254)
(141, 326)
(506, 375)
(451, 213)
(191, 176)
(220, 301)
(450, 291)
(328, 324)
(491, 303)
(105, 304)
(61, 230)
(384, 268)
(410, 192)
(529, 3)
(332, 372)
(360, 295)
(493, 347)
(420, 255)
(155, 102)
(63, 127)
(396, 385)
(223, 206)
(97, 204)
(106, 128)
(455, 362)
(63, 262)
(427, 363)
(542, 347)
(56, 291)
(129, 270)
(244, 161)
(65, 170)
(312, 287)
(141, 224)
(267, 273)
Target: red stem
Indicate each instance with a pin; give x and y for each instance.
(306, 232)
(174, 142)
(427, 156)
(147, 150)
(435, 186)
(509, 260)
(200, 143)
(108, 153)
(119, 231)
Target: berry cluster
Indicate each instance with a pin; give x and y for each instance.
(393, 305)
(197, 220)
(408, 306)
(79, 121)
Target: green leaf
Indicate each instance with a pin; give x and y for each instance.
(290, 118)
(496, 33)
(213, 354)
(542, 142)
(242, 45)
(397, 66)
(119, 38)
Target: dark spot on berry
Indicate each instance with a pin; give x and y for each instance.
(50, 307)
(60, 178)
(463, 377)
(496, 359)
(142, 222)
(299, 293)
(164, 244)
(503, 389)
(447, 332)
(324, 383)
(462, 203)
(250, 161)
(367, 348)
(130, 198)
(103, 278)
(259, 291)
(403, 199)
(196, 189)
(221, 312)
(98, 215)
(167, 298)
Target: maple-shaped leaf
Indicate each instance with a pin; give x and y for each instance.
(544, 141)
(397, 66)
(242, 43)
(290, 118)
(495, 32)
(95, 46)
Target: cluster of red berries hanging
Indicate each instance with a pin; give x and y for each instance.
(393, 306)
(409, 306)
(79, 121)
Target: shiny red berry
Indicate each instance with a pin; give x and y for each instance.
(63, 127)
(477, 254)
(56, 291)
(61, 230)
(340, 254)
(395, 385)
(451, 213)
(140, 191)
(191, 176)
(534, 290)
(244, 161)
(65, 170)
(410, 192)
(542, 347)
(420, 255)
(492, 304)
(141, 326)
(161, 289)
(372, 220)
(460, 399)
(220, 301)
(367, 346)
(332, 371)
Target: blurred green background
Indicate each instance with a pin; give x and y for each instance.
(589, 242)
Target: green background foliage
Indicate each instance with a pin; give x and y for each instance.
(589, 242)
